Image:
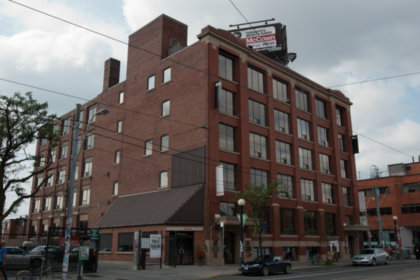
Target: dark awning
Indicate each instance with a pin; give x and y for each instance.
(183, 205)
(356, 228)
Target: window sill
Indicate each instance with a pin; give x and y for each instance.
(105, 252)
(228, 151)
(124, 253)
(293, 235)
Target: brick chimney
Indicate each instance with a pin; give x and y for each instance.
(111, 73)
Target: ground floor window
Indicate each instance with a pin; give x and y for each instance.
(290, 253)
(105, 242)
(265, 251)
(125, 242)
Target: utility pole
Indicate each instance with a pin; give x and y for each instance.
(378, 212)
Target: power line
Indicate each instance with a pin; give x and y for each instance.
(385, 145)
(239, 11)
(374, 80)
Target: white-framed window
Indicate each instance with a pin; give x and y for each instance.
(121, 97)
(167, 75)
(151, 82)
(86, 197)
(283, 152)
(256, 112)
(323, 136)
(327, 193)
(341, 142)
(343, 167)
(308, 190)
(115, 188)
(227, 65)
(117, 158)
(91, 114)
(321, 108)
(164, 143)
(119, 126)
(81, 120)
(148, 147)
(259, 177)
(50, 180)
(304, 129)
(62, 176)
(256, 79)
(305, 158)
(64, 151)
(90, 141)
(76, 172)
(53, 155)
(39, 180)
(325, 163)
(43, 141)
(37, 205)
(66, 126)
(285, 186)
(75, 199)
(59, 203)
(164, 179)
(257, 146)
(47, 206)
(56, 128)
(280, 91)
(87, 170)
(41, 160)
(302, 100)
(166, 108)
(281, 121)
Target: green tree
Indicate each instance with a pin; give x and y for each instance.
(22, 121)
(260, 199)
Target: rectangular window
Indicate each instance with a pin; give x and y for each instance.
(323, 136)
(305, 158)
(62, 176)
(410, 209)
(125, 242)
(259, 177)
(163, 179)
(227, 138)
(339, 115)
(328, 195)
(283, 152)
(256, 112)
(255, 79)
(280, 91)
(64, 151)
(308, 190)
(50, 180)
(87, 170)
(53, 155)
(285, 186)
(39, 180)
(75, 202)
(167, 75)
(310, 222)
(47, 203)
(330, 224)
(90, 141)
(76, 172)
(410, 187)
(151, 82)
(59, 202)
(227, 66)
(386, 211)
(115, 188)
(166, 108)
(341, 142)
(121, 97)
(117, 158)
(37, 205)
(227, 209)
(325, 163)
(347, 196)
(321, 108)
(288, 221)
(85, 197)
(229, 176)
(164, 143)
(55, 129)
(343, 167)
(66, 126)
(105, 242)
(281, 121)
(81, 120)
(304, 129)
(119, 126)
(227, 102)
(257, 146)
(41, 160)
(148, 147)
(302, 100)
(91, 114)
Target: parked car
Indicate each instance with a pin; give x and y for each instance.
(17, 258)
(267, 264)
(55, 254)
(371, 256)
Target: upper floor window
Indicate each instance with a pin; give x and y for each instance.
(227, 137)
(115, 188)
(304, 129)
(81, 120)
(302, 100)
(55, 129)
(257, 146)
(410, 187)
(227, 209)
(117, 158)
(166, 108)
(343, 167)
(227, 66)
(119, 126)
(341, 142)
(305, 158)
(164, 143)
(229, 176)
(90, 140)
(339, 115)
(410, 209)
(167, 75)
(151, 82)
(255, 79)
(91, 114)
(321, 108)
(256, 112)
(323, 136)
(37, 205)
(328, 195)
(148, 147)
(283, 152)
(61, 176)
(281, 121)
(325, 163)
(86, 196)
(53, 155)
(66, 126)
(43, 141)
(47, 206)
(308, 190)
(41, 160)
(227, 102)
(59, 203)
(50, 180)
(285, 186)
(163, 181)
(347, 196)
(64, 151)
(280, 91)
(121, 97)
(259, 177)
(310, 222)
(87, 171)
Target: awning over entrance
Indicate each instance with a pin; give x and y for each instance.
(182, 205)
(356, 228)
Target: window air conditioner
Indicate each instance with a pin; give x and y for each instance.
(306, 166)
(284, 160)
(283, 129)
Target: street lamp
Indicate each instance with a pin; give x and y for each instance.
(74, 155)
(241, 203)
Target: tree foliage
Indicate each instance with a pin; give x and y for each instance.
(22, 121)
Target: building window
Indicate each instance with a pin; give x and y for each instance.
(119, 126)
(328, 195)
(90, 141)
(341, 142)
(81, 120)
(59, 202)
(410, 209)
(37, 205)
(304, 129)
(53, 155)
(255, 79)
(257, 146)
(164, 143)
(302, 100)
(76, 172)
(105, 242)
(64, 151)
(310, 223)
(259, 177)
(256, 112)
(288, 221)
(66, 126)
(41, 160)
(384, 211)
(47, 206)
(166, 108)
(410, 187)
(164, 179)
(323, 136)
(330, 224)
(308, 190)
(75, 202)
(43, 141)
(117, 158)
(347, 196)
(280, 91)
(343, 167)
(91, 114)
(50, 180)
(55, 129)
(229, 176)
(325, 163)
(227, 209)
(167, 75)
(87, 170)
(85, 197)
(148, 147)
(227, 102)
(151, 82)
(281, 121)
(305, 158)
(227, 66)
(321, 108)
(283, 153)
(227, 138)
(339, 115)
(125, 242)
(121, 97)
(285, 186)
(115, 188)
(39, 181)
(62, 176)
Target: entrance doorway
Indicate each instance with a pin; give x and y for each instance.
(229, 251)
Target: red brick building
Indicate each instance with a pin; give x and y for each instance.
(399, 200)
(150, 163)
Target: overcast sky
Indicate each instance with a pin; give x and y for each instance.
(337, 42)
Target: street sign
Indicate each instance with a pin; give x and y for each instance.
(94, 233)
